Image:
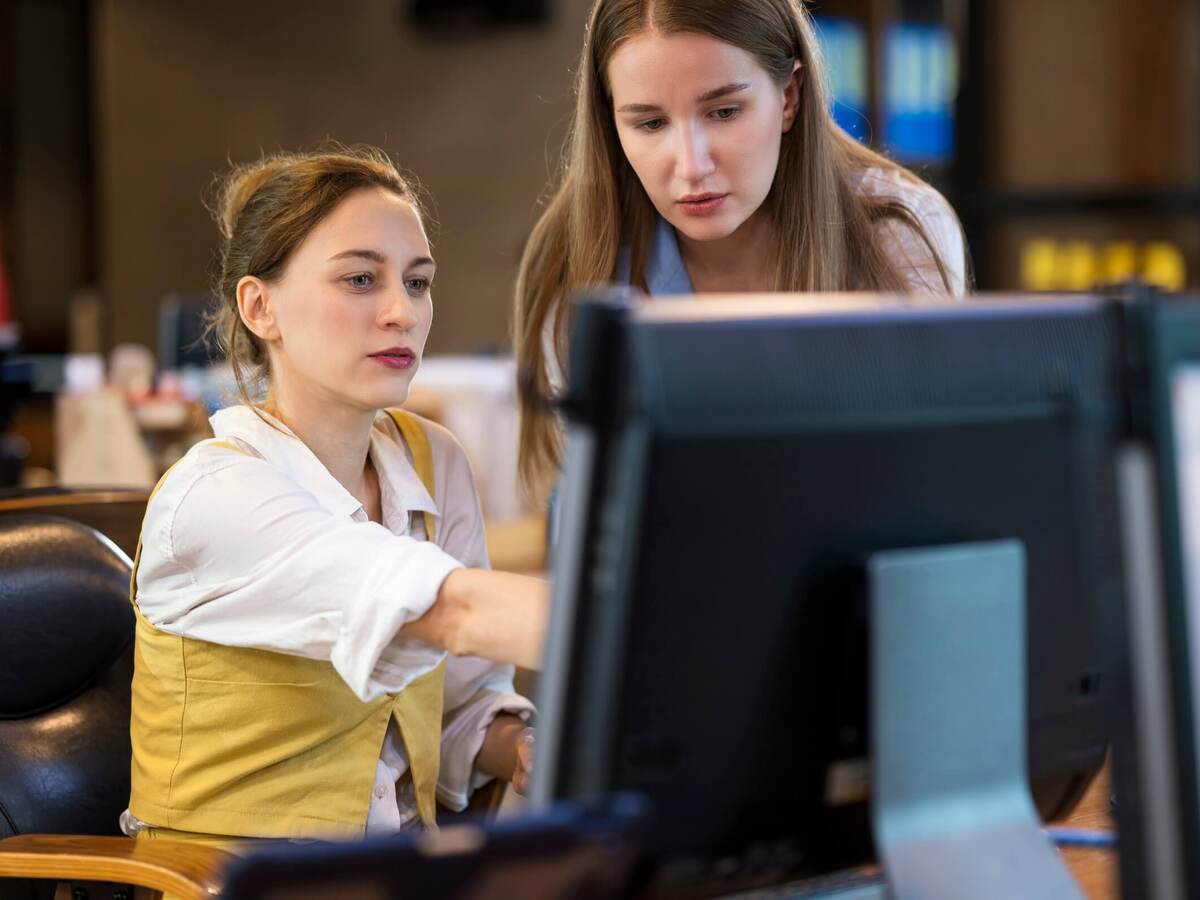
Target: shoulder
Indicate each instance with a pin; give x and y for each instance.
(443, 445)
(923, 200)
(205, 491)
(920, 197)
(216, 459)
(206, 460)
(936, 217)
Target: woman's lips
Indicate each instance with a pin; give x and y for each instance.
(399, 358)
(701, 204)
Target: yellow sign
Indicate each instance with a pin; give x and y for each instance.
(1048, 264)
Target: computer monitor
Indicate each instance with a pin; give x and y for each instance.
(732, 464)
(181, 341)
(1161, 488)
(568, 850)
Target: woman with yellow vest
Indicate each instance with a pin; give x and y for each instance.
(316, 624)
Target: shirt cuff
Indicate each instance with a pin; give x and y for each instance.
(392, 603)
(462, 738)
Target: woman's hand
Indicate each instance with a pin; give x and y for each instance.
(507, 751)
(496, 615)
(523, 770)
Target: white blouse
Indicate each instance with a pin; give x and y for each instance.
(266, 549)
(906, 248)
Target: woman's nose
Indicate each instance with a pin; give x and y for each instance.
(693, 161)
(398, 312)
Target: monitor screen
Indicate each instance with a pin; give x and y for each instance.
(181, 342)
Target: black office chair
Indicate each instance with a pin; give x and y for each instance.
(66, 664)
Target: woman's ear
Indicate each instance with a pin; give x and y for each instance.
(254, 306)
(791, 96)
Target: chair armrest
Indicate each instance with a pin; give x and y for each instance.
(188, 871)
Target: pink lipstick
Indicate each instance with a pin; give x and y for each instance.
(395, 358)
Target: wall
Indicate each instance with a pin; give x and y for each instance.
(1087, 94)
(1094, 93)
(47, 215)
(182, 88)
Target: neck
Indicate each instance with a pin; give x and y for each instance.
(338, 435)
(744, 261)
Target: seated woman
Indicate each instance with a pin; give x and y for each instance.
(311, 585)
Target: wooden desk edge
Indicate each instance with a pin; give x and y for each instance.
(1095, 869)
(189, 871)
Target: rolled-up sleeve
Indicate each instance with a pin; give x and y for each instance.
(477, 690)
(237, 553)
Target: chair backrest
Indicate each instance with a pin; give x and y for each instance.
(66, 664)
(115, 512)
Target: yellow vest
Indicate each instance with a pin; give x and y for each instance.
(252, 743)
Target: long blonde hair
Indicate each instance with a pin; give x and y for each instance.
(824, 226)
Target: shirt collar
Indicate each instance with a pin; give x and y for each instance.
(400, 488)
(665, 271)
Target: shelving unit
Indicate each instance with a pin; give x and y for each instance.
(1132, 195)
(999, 217)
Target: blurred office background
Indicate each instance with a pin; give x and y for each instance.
(1066, 133)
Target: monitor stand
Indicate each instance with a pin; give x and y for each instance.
(951, 810)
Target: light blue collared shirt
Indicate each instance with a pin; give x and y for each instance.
(665, 271)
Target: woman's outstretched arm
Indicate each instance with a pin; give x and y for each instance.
(496, 615)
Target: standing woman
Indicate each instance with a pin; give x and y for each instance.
(702, 158)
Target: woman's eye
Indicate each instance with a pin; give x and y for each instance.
(651, 125)
(725, 112)
(417, 285)
(361, 281)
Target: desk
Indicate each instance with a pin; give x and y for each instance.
(1094, 868)
(195, 867)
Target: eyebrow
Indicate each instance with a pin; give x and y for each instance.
(715, 94)
(376, 256)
